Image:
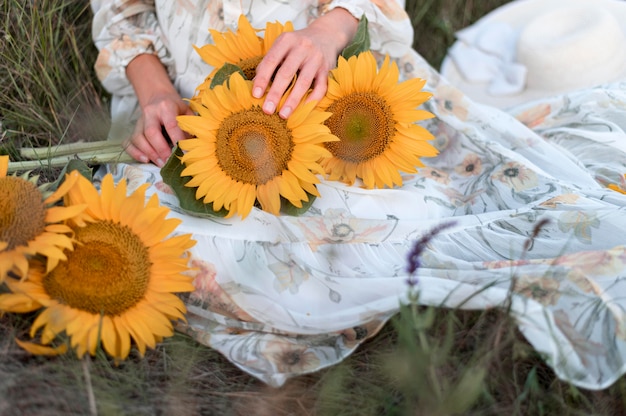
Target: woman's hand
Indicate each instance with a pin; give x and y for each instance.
(309, 53)
(160, 105)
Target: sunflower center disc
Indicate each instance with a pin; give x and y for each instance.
(248, 66)
(108, 271)
(253, 147)
(364, 123)
(22, 212)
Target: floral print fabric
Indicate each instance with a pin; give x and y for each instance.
(281, 296)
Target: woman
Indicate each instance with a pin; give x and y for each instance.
(147, 55)
(285, 295)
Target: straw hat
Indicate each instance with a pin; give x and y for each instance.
(529, 49)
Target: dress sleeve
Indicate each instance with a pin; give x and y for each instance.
(122, 30)
(389, 25)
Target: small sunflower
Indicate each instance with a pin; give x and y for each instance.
(30, 224)
(243, 48)
(241, 155)
(374, 117)
(117, 284)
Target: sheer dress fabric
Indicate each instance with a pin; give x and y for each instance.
(282, 295)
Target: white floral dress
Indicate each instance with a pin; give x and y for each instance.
(281, 295)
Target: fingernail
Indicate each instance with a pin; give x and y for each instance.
(257, 92)
(159, 163)
(269, 107)
(143, 159)
(285, 112)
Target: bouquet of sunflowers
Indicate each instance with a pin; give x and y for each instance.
(240, 157)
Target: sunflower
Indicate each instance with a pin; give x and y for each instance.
(374, 117)
(243, 48)
(241, 155)
(117, 284)
(30, 224)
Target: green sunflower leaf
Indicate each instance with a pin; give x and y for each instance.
(288, 208)
(171, 174)
(222, 74)
(361, 41)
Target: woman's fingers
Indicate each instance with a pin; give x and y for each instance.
(170, 125)
(140, 147)
(309, 75)
(301, 54)
(157, 131)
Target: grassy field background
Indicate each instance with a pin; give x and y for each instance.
(426, 361)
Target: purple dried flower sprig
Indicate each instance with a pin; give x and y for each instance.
(541, 224)
(420, 245)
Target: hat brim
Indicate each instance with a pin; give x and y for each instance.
(516, 14)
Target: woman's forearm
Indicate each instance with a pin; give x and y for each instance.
(149, 78)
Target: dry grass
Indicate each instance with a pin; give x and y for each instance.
(384, 377)
(425, 362)
(48, 92)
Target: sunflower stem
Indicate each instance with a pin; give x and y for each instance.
(68, 149)
(93, 157)
(93, 410)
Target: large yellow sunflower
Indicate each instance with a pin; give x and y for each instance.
(243, 48)
(30, 224)
(241, 155)
(374, 117)
(117, 284)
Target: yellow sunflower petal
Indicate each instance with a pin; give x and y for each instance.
(66, 185)
(90, 341)
(21, 264)
(42, 319)
(18, 303)
(167, 304)
(309, 188)
(124, 337)
(155, 321)
(57, 214)
(383, 173)
(246, 34)
(290, 188)
(117, 200)
(77, 323)
(246, 198)
(109, 338)
(58, 229)
(343, 75)
(386, 77)
(363, 77)
(268, 197)
(141, 333)
(302, 172)
(85, 193)
(37, 349)
(273, 31)
(4, 165)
